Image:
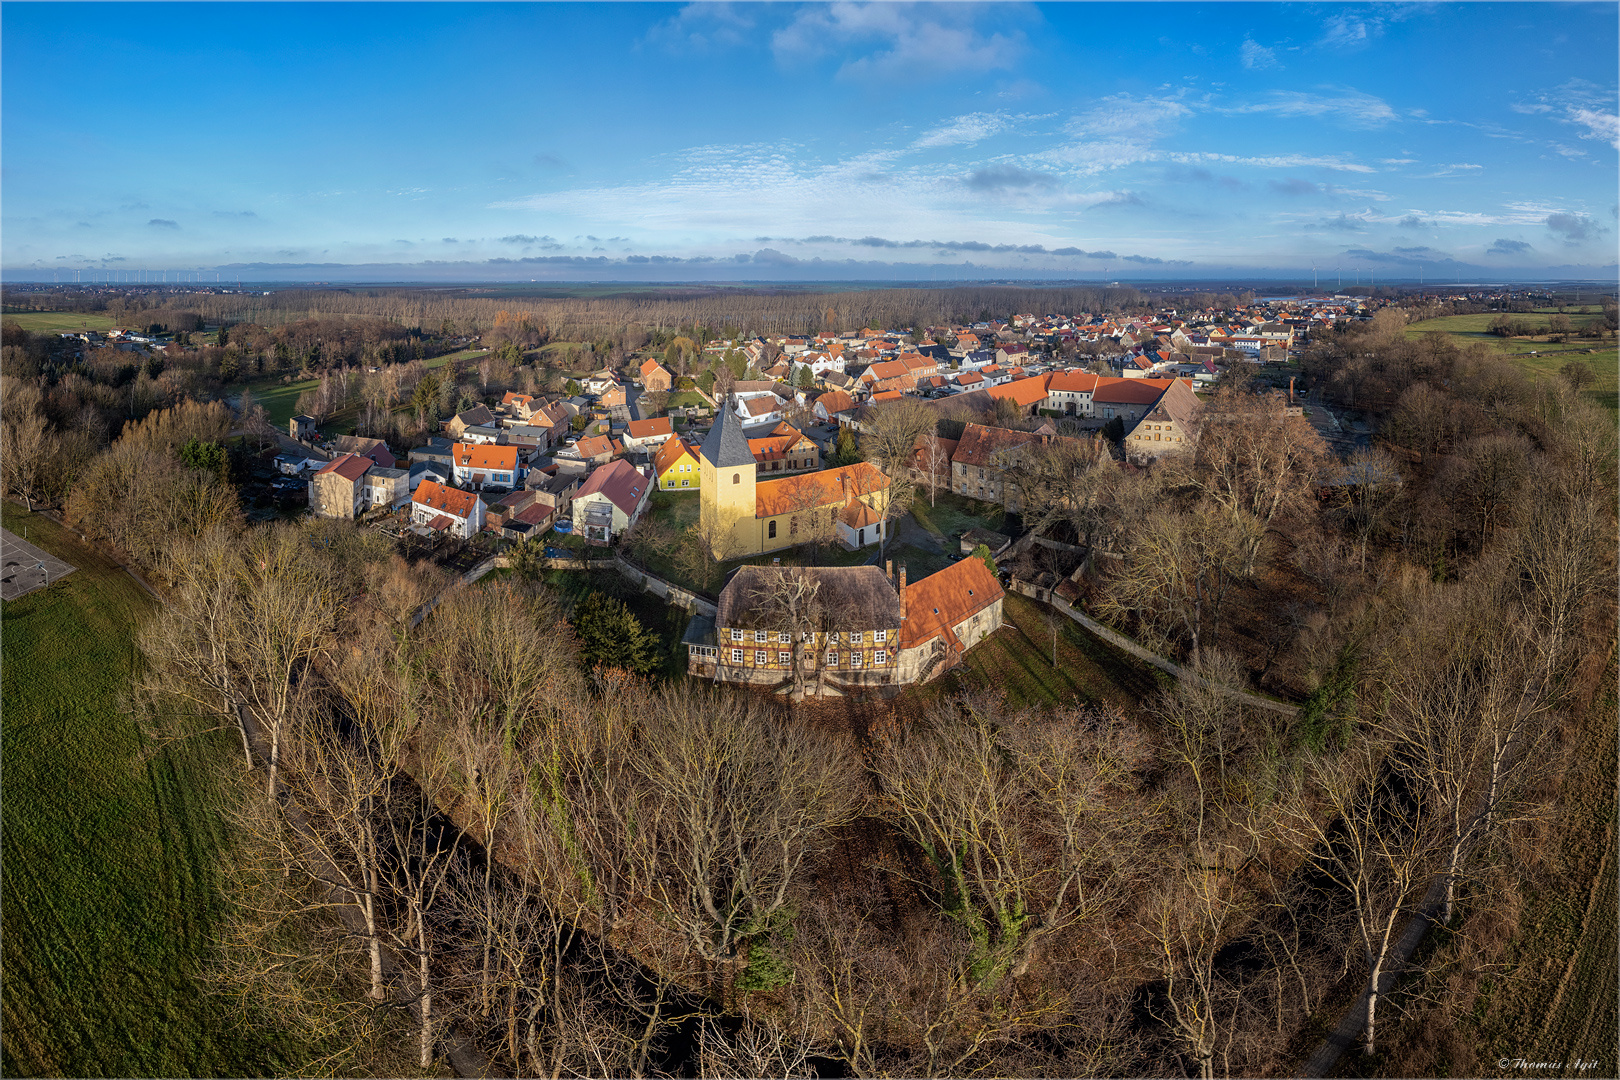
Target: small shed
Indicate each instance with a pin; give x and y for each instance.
(302, 428)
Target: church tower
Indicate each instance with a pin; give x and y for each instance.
(727, 487)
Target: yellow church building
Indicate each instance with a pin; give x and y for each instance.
(743, 516)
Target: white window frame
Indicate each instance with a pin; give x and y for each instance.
(736, 656)
(855, 658)
(761, 657)
(761, 636)
(880, 636)
(784, 657)
(832, 657)
(880, 657)
(736, 634)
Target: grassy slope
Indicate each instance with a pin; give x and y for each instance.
(1018, 660)
(61, 322)
(108, 859)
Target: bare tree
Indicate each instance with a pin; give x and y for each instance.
(1379, 846)
(1201, 720)
(933, 460)
(791, 598)
(1015, 812)
(26, 442)
(1372, 484)
(1188, 922)
(1179, 571)
(1257, 461)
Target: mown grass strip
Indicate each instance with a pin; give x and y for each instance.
(110, 856)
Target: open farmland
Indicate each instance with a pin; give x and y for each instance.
(61, 322)
(1537, 356)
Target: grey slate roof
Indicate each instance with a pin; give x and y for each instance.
(726, 446)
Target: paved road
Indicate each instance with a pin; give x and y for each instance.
(24, 567)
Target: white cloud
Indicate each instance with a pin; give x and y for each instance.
(890, 40)
(702, 27)
(1599, 125)
(1356, 29)
(1349, 107)
(1256, 56)
(964, 130)
(1275, 161)
(1126, 117)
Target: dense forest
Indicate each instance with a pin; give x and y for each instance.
(567, 868)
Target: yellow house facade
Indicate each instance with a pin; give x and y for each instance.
(677, 467)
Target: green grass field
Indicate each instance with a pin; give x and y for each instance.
(949, 515)
(61, 322)
(109, 856)
(1017, 659)
(1549, 358)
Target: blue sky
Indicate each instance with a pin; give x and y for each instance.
(782, 141)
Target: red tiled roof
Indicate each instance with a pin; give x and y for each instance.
(620, 481)
(350, 466)
(980, 445)
(1129, 391)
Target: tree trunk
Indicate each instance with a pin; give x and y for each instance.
(426, 1058)
(275, 762)
(1372, 1004)
(373, 942)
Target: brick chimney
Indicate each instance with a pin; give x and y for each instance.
(849, 495)
(1290, 389)
(888, 569)
(902, 592)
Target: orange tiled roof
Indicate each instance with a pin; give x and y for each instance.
(670, 454)
(940, 601)
(484, 456)
(817, 489)
(436, 496)
(835, 401)
(647, 429)
(1078, 382)
(783, 438)
(350, 466)
(1025, 392)
(594, 446)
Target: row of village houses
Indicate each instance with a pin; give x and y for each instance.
(461, 484)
